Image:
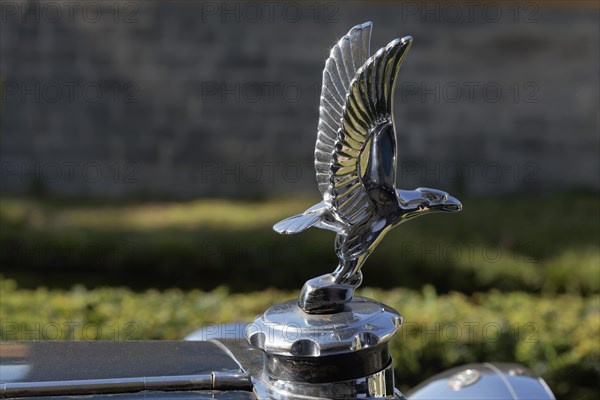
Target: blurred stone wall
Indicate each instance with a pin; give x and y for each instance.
(180, 99)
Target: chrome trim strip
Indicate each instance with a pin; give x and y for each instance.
(212, 381)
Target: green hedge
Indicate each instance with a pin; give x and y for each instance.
(556, 336)
(535, 244)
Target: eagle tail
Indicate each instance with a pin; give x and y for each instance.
(300, 222)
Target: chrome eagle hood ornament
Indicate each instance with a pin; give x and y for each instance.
(329, 344)
(355, 162)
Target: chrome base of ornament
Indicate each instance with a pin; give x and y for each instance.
(339, 355)
(323, 295)
(379, 385)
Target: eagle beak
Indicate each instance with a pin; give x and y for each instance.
(451, 204)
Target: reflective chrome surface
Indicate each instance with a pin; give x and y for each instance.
(380, 385)
(336, 356)
(213, 381)
(285, 329)
(493, 381)
(355, 162)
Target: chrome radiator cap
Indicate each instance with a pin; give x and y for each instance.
(286, 330)
(337, 356)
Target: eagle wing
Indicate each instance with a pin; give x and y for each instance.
(346, 57)
(346, 126)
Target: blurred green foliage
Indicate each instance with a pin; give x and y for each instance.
(556, 336)
(544, 244)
